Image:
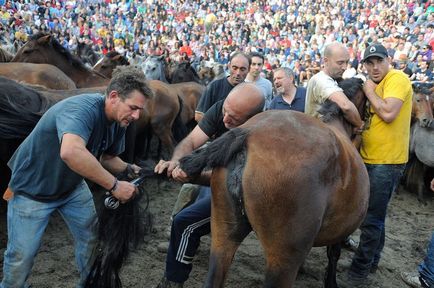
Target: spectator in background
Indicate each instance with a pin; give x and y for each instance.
(288, 97)
(254, 76)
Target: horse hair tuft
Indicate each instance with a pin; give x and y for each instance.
(217, 154)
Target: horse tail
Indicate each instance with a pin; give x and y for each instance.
(217, 154)
(179, 129)
(120, 230)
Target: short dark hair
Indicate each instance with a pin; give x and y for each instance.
(257, 54)
(126, 79)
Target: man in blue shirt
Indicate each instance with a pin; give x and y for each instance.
(289, 97)
(79, 137)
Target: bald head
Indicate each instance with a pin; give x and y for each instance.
(244, 101)
(336, 57)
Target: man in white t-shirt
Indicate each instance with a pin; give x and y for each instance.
(323, 86)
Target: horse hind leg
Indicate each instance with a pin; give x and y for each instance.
(333, 254)
(228, 230)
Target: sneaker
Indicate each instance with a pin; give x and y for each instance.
(164, 283)
(411, 279)
(350, 244)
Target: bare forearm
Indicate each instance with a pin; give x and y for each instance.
(84, 163)
(185, 147)
(383, 109)
(114, 164)
(352, 115)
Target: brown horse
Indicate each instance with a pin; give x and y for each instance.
(161, 116)
(109, 62)
(294, 180)
(45, 75)
(44, 48)
(190, 93)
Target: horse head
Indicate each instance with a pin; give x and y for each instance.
(109, 62)
(185, 73)
(153, 67)
(422, 109)
(206, 74)
(330, 111)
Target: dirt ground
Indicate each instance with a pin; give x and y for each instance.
(409, 226)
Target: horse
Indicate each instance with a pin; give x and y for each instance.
(45, 75)
(210, 71)
(86, 54)
(108, 63)
(44, 48)
(184, 72)
(154, 68)
(420, 168)
(190, 93)
(21, 107)
(296, 181)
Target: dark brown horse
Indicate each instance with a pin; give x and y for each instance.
(44, 48)
(294, 180)
(184, 72)
(109, 62)
(45, 75)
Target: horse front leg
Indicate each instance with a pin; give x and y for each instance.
(228, 230)
(333, 254)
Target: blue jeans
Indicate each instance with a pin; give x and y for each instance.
(27, 220)
(426, 268)
(188, 226)
(383, 178)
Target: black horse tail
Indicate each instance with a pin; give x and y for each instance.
(217, 154)
(120, 230)
(179, 129)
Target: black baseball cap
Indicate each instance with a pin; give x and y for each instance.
(376, 50)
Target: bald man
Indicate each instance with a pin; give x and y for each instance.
(244, 101)
(323, 86)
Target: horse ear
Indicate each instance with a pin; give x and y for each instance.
(44, 39)
(161, 57)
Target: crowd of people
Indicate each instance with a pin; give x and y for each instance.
(290, 33)
(303, 43)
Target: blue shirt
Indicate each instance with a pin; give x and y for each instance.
(297, 104)
(38, 172)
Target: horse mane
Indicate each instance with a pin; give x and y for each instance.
(217, 154)
(73, 60)
(329, 109)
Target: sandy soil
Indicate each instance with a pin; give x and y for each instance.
(409, 227)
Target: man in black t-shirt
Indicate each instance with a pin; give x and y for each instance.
(219, 89)
(244, 101)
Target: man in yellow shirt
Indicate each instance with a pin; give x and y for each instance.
(385, 147)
